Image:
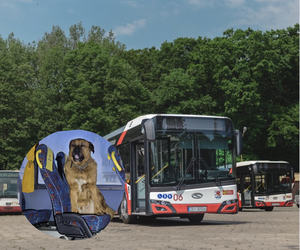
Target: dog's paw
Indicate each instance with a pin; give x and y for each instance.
(111, 212)
(98, 211)
(74, 210)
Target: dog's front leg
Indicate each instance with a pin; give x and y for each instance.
(98, 208)
(74, 197)
(101, 204)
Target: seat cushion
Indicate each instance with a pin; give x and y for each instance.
(96, 223)
(37, 216)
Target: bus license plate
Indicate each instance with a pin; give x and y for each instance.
(197, 209)
(275, 204)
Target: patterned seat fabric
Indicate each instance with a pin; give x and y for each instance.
(61, 159)
(37, 216)
(34, 216)
(114, 154)
(59, 192)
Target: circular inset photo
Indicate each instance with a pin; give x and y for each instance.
(71, 184)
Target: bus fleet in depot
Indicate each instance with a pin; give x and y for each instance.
(184, 166)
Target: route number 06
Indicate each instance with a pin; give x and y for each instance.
(177, 197)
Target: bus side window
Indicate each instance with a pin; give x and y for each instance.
(140, 170)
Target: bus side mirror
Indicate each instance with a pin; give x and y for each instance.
(255, 170)
(149, 130)
(239, 142)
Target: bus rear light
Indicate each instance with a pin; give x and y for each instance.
(159, 202)
(229, 206)
(160, 208)
(259, 204)
(288, 204)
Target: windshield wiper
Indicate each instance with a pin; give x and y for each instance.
(186, 170)
(218, 181)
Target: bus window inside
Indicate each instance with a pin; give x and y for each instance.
(191, 158)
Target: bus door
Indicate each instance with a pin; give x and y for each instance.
(138, 183)
(246, 189)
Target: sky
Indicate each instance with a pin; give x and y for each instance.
(143, 24)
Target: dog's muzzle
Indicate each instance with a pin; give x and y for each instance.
(77, 154)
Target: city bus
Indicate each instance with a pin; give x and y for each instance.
(8, 192)
(264, 184)
(177, 166)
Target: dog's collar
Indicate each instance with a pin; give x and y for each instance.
(81, 167)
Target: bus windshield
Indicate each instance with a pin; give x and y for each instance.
(273, 180)
(191, 158)
(8, 184)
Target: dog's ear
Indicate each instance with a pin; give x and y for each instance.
(70, 145)
(91, 146)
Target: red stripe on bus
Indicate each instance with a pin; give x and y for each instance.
(275, 203)
(128, 200)
(183, 208)
(10, 209)
(122, 137)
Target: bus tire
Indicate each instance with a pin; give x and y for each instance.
(269, 208)
(123, 211)
(196, 218)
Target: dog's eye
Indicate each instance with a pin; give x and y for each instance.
(82, 145)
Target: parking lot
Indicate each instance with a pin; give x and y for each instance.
(249, 229)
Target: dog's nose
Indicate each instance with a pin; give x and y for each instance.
(77, 150)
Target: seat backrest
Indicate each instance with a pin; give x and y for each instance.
(61, 159)
(57, 188)
(114, 155)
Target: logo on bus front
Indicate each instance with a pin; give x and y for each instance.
(164, 196)
(197, 195)
(218, 194)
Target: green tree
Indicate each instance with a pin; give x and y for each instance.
(16, 76)
(48, 97)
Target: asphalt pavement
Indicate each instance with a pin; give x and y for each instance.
(249, 229)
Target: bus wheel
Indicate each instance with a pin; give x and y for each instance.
(124, 216)
(269, 208)
(196, 218)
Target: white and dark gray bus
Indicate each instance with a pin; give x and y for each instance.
(264, 184)
(8, 192)
(178, 166)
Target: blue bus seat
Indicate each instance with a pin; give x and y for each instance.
(114, 155)
(37, 218)
(61, 159)
(67, 223)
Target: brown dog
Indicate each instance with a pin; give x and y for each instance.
(81, 175)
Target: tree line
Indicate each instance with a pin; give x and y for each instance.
(90, 81)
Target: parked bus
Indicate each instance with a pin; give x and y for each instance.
(8, 192)
(178, 166)
(264, 184)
